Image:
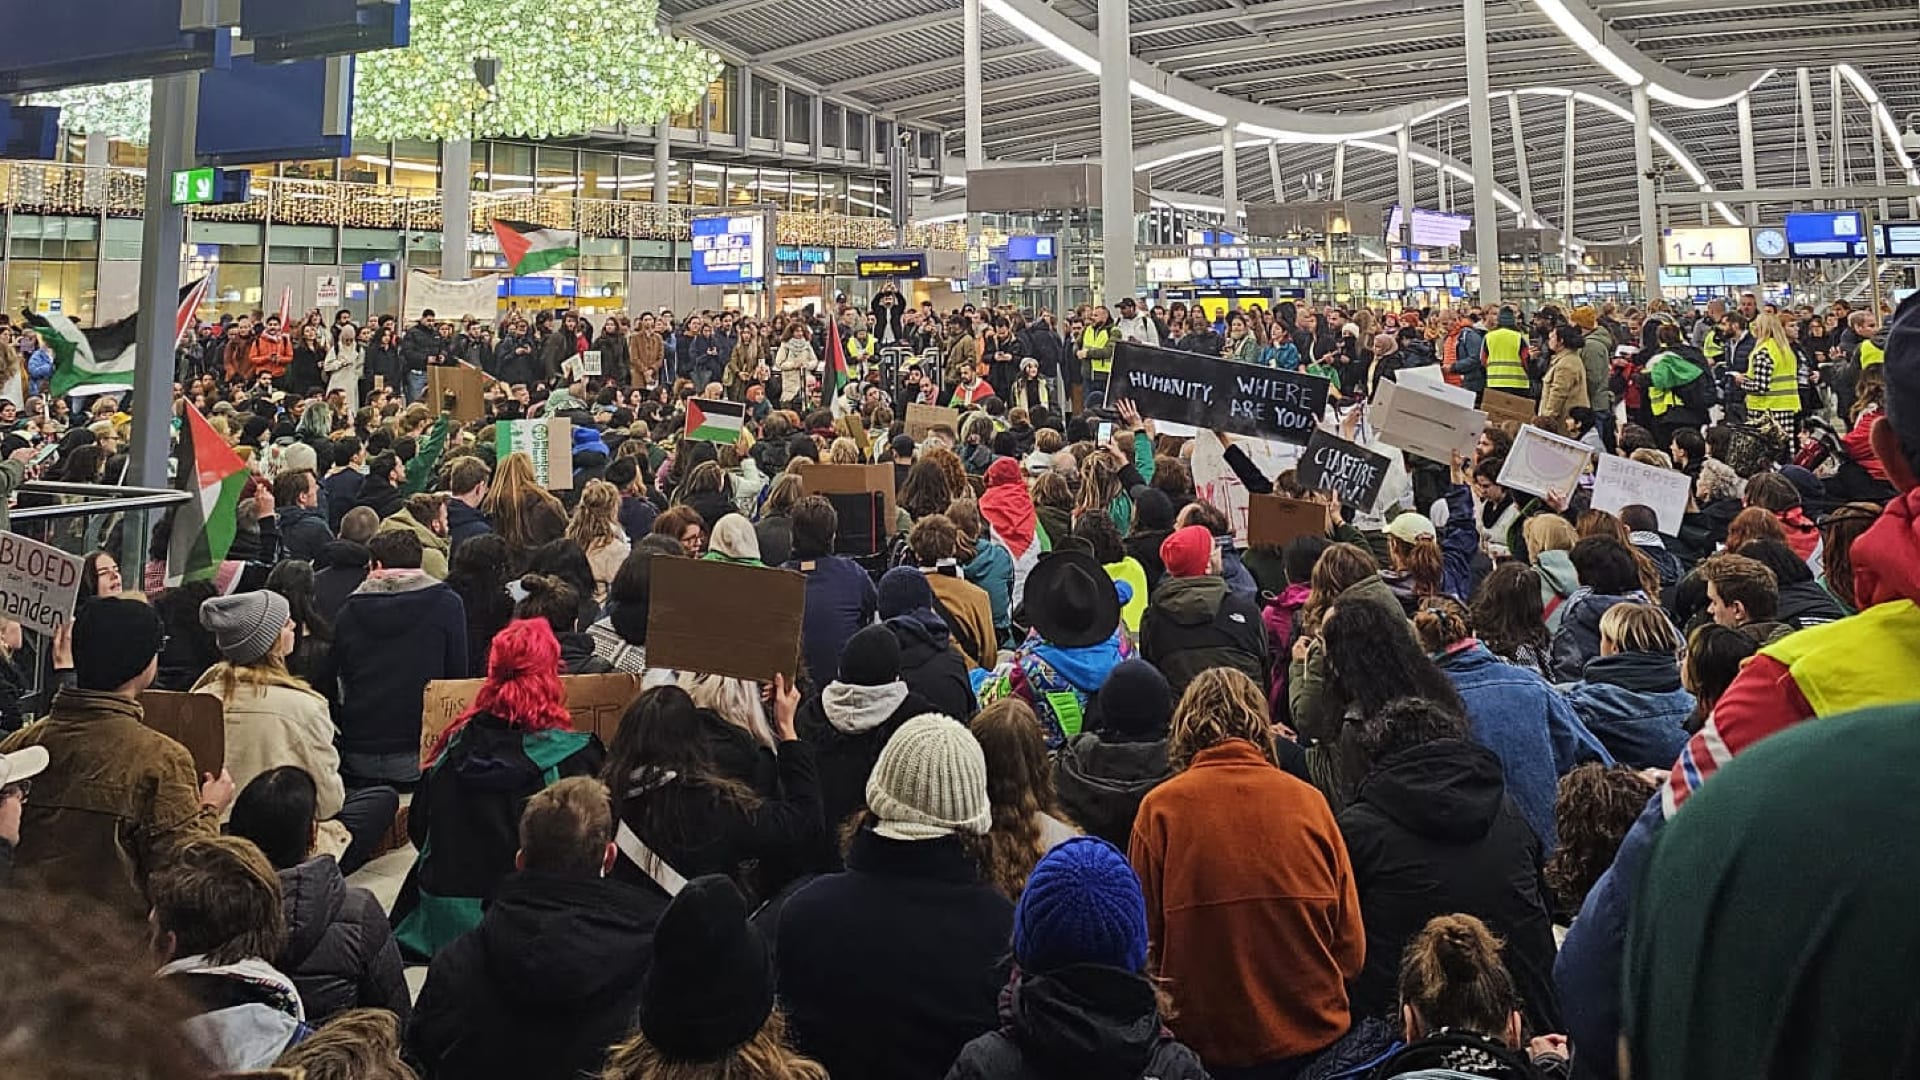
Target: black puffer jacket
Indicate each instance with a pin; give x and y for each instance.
(1101, 782)
(1079, 1021)
(340, 951)
(929, 665)
(1431, 831)
(1192, 624)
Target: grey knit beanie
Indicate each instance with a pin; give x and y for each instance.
(245, 625)
(930, 781)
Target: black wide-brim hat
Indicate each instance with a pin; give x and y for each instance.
(1071, 601)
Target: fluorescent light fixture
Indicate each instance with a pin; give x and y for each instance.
(1576, 31)
(1042, 36)
(1883, 118)
(1172, 104)
(1687, 101)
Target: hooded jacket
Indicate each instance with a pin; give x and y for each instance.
(1431, 831)
(1576, 629)
(847, 725)
(398, 631)
(249, 1012)
(1057, 682)
(929, 664)
(1634, 704)
(1100, 781)
(1805, 603)
(1531, 729)
(547, 982)
(433, 546)
(464, 523)
(1080, 1021)
(1196, 623)
(340, 951)
(1461, 1055)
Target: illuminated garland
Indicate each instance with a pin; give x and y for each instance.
(116, 110)
(566, 66)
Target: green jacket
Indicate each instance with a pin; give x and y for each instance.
(12, 474)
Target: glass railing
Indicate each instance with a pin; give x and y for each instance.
(31, 187)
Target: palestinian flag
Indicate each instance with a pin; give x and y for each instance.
(100, 360)
(203, 526)
(531, 248)
(837, 375)
(714, 421)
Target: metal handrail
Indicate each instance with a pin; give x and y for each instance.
(118, 499)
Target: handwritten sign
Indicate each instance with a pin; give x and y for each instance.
(1214, 480)
(548, 442)
(597, 703)
(39, 584)
(1503, 407)
(1275, 521)
(195, 721)
(590, 362)
(1542, 462)
(1424, 423)
(1222, 395)
(1622, 482)
(1351, 471)
(725, 618)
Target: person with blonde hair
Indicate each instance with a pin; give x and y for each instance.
(1631, 696)
(1772, 378)
(359, 1044)
(522, 512)
(596, 528)
(1208, 892)
(1550, 539)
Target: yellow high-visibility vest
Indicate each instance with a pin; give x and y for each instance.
(1092, 338)
(1505, 370)
(1870, 354)
(1782, 392)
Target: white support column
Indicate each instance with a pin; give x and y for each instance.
(1837, 121)
(1809, 127)
(1520, 160)
(1643, 181)
(1403, 139)
(1486, 213)
(1229, 181)
(663, 161)
(1566, 181)
(1749, 169)
(1339, 171)
(1880, 170)
(970, 78)
(171, 118)
(456, 207)
(1273, 173)
(1117, 274)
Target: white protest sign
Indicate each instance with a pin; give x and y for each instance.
(1541, 462)
(1624, 482)
(38, 584)
(1430, 378)
(326, 291)
(1418, 421)
(590, 362)
(1214, 481)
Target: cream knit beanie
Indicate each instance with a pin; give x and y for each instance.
(930, 781)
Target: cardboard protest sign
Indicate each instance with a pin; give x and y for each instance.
(195, 721)
(1221, 395)
(1542, 462)
(823, 478)
(924, 418)
(1421, 422)
(466, 384)
(1352, 472)
(1502, 407)
(548, 441)
(1624, 482)
(726, 619)
(597, 703)
(1214, 480)
(714, 421)
(39, 584)
(1274, 520)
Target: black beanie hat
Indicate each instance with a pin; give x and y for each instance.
(114, 639)
(871, 657)
(1134, 701)
(710, 988)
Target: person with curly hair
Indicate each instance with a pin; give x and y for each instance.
(1596, 806)
(1027, 819)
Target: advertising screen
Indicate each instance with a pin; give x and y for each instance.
(730, 249)
(1030, 248)
(1830, 234)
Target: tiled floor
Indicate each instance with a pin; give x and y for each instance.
(382, 877)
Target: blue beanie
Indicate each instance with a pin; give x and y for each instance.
(903, 589)
(1082, 905)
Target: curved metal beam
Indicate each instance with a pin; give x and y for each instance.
(1581, 25)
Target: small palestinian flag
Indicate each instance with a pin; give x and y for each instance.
(100, 360)
(204, 525)
(837, 375)
(714, 421)
(531, 248)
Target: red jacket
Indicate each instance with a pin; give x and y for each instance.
(1251, 907)
(1859, 444)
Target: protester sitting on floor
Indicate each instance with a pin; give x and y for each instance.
(1460, 1012)
(1074, 610)
(929, 664)
(1630, 696)
(849, 720)
(1102, 773)
(1193, 622)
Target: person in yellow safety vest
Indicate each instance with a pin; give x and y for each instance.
(1772, 378)
(1096, 351)
(1505, 369)
(860, 350)
(1860, 324)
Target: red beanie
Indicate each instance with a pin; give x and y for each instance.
(1187, 552)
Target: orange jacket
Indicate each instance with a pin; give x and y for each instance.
(1251, 907)
(271, 355)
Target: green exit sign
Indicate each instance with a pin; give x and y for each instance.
(193, 186)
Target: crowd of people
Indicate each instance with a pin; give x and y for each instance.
(1072, 781)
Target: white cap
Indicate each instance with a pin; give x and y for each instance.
(22, 763)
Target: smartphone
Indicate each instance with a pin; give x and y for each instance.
(46, 453)
(1106, 431)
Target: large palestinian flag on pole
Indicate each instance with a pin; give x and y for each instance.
(100, 360)
(531, 248)
(837, 375)
(203, 526)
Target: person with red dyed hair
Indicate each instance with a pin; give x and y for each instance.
(515, 740)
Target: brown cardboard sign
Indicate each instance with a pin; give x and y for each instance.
(1274, 520)
(822, 478)
(597, 703)
(725, 618)
(924, 418)
(195, 721)
(466, 384)
(1502, 407)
